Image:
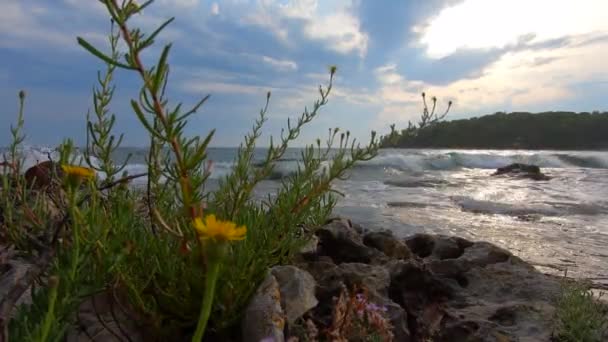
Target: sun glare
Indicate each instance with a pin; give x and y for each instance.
(479, 24)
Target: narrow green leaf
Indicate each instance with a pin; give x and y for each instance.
(144, 121)
(195, 108)
(160, 68)
(150, 39)
(101, 56)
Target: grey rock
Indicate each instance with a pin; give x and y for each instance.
(100, 320)
(297, 288)
(450, 289)
(311, 246)
(388, 244)
(12, 270)
(264, 316)
(343, 244)
(421, 244)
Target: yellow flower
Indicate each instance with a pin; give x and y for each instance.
(78, 171)
(218, 230)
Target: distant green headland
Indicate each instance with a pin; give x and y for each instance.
(518, 130)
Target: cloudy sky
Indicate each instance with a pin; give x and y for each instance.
(485, 55)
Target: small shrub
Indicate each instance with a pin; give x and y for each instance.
(580, 316)
(160, 254)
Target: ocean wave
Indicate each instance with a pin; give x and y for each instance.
(510, 209)
(548, 208)
(417, 162)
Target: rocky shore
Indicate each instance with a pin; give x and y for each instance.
(421, 288)
(431, 287)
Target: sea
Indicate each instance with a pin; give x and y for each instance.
(560, 225)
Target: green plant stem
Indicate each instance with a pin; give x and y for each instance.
(75, 236)
(215, 260)
(184, 180)
(50, 314)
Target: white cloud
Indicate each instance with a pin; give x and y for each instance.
(20, 27)
(198, 87)
(184, 4)
(337, 27)
(516, 80)
(215, 8)
(283, 65)
(341, 31)
(498, 23)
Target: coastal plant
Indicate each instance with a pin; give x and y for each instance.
(428, 118)
(356, 318)
(161, 254)
(580, 314)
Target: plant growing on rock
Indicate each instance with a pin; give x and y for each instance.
(159, 257)
(580, 315)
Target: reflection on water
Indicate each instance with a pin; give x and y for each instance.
(562, 222)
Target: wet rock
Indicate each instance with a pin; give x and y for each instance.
(343, 244)
(522, 170)
(264, 316)
(297, 289)
(387, 244)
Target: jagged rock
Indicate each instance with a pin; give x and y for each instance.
(99, 319)
(487, 292)
(387, 244)
(343, 244)
(522, 170)
(421, 244)
(449, 289)
(437, 246)
(374, 278)
(449, 247)
(311, 246)
(297, 289)
(264, 317)
(396, 315)
(413, 286)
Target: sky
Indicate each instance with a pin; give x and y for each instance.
(484, 55)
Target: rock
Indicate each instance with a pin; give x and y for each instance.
(297, 289)
(396, 315)
(100, 320)
(449, 289)
(264, 317)
(311, 246)
(522, 170)
(421, 244)
(413, 286)
(387, 244)
(43, 174)
(12, 270)
(437, 246)
(343, 244)
(331, 279)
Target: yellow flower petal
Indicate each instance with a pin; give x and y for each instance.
(218, 230)
(78, 171)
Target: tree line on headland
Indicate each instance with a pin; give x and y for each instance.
(518, 130)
